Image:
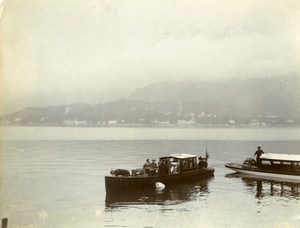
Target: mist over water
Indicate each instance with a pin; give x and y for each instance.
(51, 182)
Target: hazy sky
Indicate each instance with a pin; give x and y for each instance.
(65, 51)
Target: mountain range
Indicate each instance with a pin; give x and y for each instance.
(240, 101)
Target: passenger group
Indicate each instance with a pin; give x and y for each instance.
(167, 166)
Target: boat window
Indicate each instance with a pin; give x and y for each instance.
(191, 163)
(266, 162)
(286, 163)
(188, 163)
(184, 164)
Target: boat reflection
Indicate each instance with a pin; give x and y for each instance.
(173, 195)
(269, 187)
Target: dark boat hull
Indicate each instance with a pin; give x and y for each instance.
(119, 184)
(174, 194)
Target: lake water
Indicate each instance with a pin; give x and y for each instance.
(54, 177)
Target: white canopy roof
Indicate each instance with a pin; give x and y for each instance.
(281, 157)
(181, 156)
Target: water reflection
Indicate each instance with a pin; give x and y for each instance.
(267, 187)
(172, 195)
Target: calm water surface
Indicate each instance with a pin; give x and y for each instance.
(54, 177)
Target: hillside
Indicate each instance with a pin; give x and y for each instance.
(251, 97)
(239, 102)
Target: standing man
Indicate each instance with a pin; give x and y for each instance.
(258, 153)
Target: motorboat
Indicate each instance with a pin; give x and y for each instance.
(270, 165)
(173, 169)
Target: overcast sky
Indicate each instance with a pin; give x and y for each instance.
(66, 51)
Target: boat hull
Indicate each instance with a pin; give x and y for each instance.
(118, 184)
(267, 173)
(175, 194)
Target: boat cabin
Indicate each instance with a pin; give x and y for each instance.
(281, 161)
(178, 163)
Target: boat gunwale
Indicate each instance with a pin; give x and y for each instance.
(238, 166)
(157, 176)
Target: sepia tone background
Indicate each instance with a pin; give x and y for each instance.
(66, 61)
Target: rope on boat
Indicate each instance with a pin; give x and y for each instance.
(220, 164)
(223, 164)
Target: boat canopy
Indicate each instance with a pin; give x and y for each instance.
(183, 156)
(281, 157)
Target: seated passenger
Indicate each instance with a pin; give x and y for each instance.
(153, 167)
(163, 168)
(174, 168)
(184, 165)
(169, 166)
(202, 164)
(153, 164)
(147, 166)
